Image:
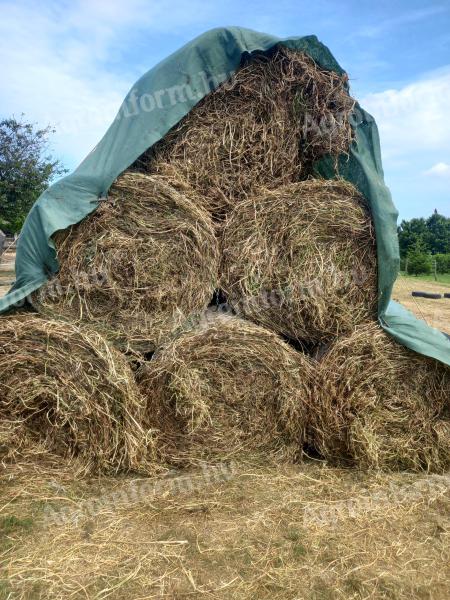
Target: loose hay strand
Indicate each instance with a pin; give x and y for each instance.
(271, 531)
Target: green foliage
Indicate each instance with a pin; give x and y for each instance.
(26, 169)
(439, 233)
(442, 263)
(10, 523)
(419, 261)
(410, 232)
(433, 233)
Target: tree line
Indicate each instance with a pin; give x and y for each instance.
(425, 244)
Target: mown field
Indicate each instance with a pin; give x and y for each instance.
(441, 278)
(7, 272)
(435, 312)
(301, 532)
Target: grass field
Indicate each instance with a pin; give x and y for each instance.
(442, 278)
(305, 532)
(435, 312)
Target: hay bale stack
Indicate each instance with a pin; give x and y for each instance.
(137, 267)
(66, 390)
(266, 126)
(227, 387)
(380, 405)
(301, 260)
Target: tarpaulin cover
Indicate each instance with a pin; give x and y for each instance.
(153, 106)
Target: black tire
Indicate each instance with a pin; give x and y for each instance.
(446, 295)
(426, 295)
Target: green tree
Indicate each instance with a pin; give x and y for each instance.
(410, 232)
(433, 234)
(419, 261)
(26, 169)
(442, 263)
(438, 228)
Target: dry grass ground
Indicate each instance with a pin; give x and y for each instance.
(7, 272)
(300, 532)
(435, 312)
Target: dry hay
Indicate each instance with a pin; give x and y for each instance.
(66, 392)
(266, 126)
(137, 267)
(301, 260)
(435, 312)
(271, 532)
(380, 405)
(227, 387)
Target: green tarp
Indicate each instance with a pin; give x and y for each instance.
(154, 105)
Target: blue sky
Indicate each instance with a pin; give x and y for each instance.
(71, 63)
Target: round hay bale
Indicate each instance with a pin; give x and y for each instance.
(227, 387)
(266, 126)
(380, 405)
(139, 266)
(301, 260)
(66, 390)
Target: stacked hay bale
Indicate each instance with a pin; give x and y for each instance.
(227, 387)
(298, 257)
(64, 390)
(138, 267)
(265, 127)
(225, 207)
(380, 405)
(301, 260)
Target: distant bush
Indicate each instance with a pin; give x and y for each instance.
(419, 261)
(442, 263)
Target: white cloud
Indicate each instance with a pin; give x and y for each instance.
(440, 169)
(62, 61)
(48, 73)
(413, 118)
